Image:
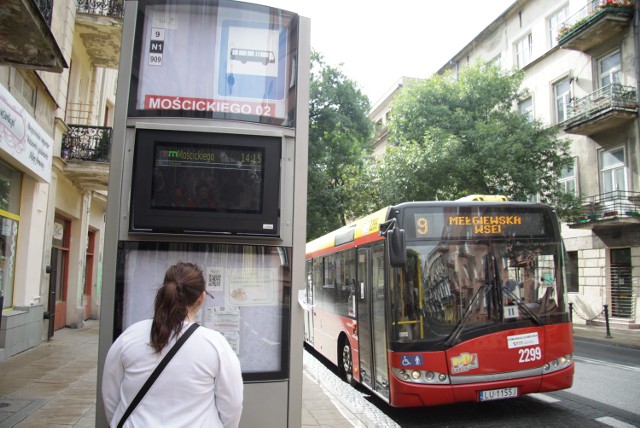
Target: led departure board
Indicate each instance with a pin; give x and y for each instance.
(199, 182)
(464, 222)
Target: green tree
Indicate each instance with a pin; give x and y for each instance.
(339, 139)
(464, 136)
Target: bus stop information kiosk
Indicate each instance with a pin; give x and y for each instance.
(209, 165)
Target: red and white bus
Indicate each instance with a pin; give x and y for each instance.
(430, 303)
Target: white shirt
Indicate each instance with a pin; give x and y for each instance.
(200, 387)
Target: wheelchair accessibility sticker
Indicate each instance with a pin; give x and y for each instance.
(411, 360)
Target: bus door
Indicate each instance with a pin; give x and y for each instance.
(365, 342)
(371, 320)
(308, 314)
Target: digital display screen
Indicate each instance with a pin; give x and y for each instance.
(200, 183)
(211, 178)
(476, 222)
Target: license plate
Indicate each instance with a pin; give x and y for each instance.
(498, 394)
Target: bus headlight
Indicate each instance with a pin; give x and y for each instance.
(421, 376)
(558, 364)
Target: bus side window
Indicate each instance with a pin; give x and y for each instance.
(318, 280)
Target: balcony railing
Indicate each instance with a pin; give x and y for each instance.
(87, 143)
(592, 12)
(615, 96)
(79, 113)
(112, 8)
(46, 9)
(617, 204)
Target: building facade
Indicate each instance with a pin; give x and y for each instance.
(379, 114)
(580, 62)
(58, 68)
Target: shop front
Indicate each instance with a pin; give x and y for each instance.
(26, 152)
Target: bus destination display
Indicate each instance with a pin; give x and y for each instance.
(457, 225)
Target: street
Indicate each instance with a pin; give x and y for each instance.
(604, 393)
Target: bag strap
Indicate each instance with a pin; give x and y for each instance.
(138, 398)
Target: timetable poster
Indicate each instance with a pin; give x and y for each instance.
(215, 59)
(246, 294)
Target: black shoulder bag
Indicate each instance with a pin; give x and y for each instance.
(156, 373)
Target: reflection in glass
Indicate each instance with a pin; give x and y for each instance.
(462, 287)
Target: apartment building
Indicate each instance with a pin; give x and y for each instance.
(58, 68)
(379, 113)
(581, 65)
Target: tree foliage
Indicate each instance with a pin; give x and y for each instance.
(455, 137)
(339, 139)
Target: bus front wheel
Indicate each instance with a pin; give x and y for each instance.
(347, 363)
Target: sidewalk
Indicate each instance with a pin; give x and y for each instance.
(54, 384)
(629, 338)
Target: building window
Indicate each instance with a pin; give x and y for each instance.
(10, 190)
(613, 170)
(24, 91)
(91, 244)
(60, 255)
(526, 108)
(622, 298)
(568, 179)
(573, 286)
(524, 51)
(609, 69)
(562, 95)
(497, 61)
(553, 24)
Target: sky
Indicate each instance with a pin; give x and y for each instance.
(376, 42)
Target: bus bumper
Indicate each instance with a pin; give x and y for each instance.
(405, 394)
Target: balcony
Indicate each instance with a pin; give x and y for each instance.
(79, 112)
(86, 150)
(99, 26)
(609, 210)
(604, 109)
(380, 141)
(595, 24)
(26, 40)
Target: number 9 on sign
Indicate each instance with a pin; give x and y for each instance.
(422, 225)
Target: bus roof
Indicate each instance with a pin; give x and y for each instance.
(365, 229)
(486, 198)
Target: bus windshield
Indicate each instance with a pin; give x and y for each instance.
(455, 290)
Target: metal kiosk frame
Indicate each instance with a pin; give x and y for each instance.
(188, 110)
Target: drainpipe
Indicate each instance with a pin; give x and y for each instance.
(636, 44)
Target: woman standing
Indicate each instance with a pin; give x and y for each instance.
(200, 387)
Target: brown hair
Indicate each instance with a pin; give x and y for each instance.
(182, 286)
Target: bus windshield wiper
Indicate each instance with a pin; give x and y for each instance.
(482, 291)
(522, 305)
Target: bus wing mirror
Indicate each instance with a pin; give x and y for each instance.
(397, 250)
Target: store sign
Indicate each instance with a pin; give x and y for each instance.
(23, 139)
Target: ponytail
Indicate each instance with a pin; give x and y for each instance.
(182, 286)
